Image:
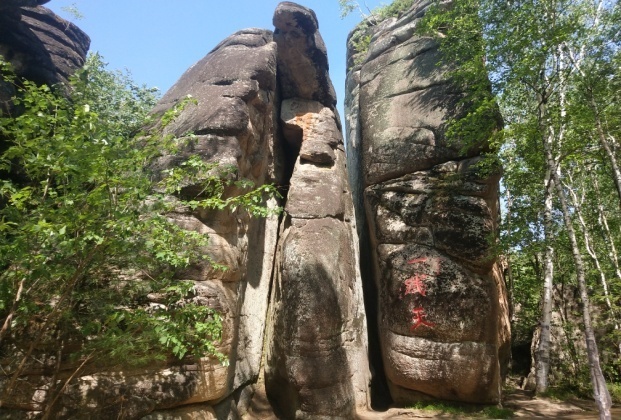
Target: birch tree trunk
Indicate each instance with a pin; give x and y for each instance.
(591, 251)
(613, 255)
(542, 359)
(600, 391)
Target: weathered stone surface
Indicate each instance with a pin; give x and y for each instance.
(312, 128)
(316, 362)
(431, 219)
(317, 191)
(302, 55)
(307, 359)
(232, 125)
(41, 46)
(184, 413)
(456, 216)
(220, 81)
(8, 4)
(135, 394)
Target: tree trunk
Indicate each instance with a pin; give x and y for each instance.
(591, 251)
(542, 357)
(616, 172)
(614, 256)
(600, 391)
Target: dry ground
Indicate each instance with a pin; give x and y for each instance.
(522, 403)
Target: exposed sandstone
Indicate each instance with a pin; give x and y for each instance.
(235, 87)
(302, 55)
(441, 307)
(316, 358)
(41, 46)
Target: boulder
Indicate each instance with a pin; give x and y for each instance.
(41, 46)
(428, 220)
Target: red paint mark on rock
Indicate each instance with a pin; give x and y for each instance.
(434, 261)
(419, 318)
(415, 285)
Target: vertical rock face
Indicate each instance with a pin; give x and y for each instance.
(302, 55)
(430, 218)
(316, 355)
(234, 125)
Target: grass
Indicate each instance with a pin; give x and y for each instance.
(615, 392)
(461, 410)
(567, 392)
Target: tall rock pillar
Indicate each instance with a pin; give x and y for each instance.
(428, 218)
(316, 358)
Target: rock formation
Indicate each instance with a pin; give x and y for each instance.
(317, 347)
(41, 46)
(428, 220)
(265, 110)
(294, 319)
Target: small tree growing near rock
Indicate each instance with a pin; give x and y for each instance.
(89, 260)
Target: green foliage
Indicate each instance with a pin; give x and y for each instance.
(438, 406)
(347, 7)
(493, 412)
(394, 9)
(567, 391)
(360, 42)
(88, 255)
(73, 11)
(150, 334)
(615, 392)
(553, 67)
(459, 31)
(361, 38)
(463, 411)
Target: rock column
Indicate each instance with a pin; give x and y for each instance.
(431, 220)
(316, 361)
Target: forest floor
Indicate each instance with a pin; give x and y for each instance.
(522, 403)
(517, 403)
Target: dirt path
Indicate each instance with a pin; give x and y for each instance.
(526, 406)
(523, 404)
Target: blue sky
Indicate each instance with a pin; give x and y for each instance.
(157, 40)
